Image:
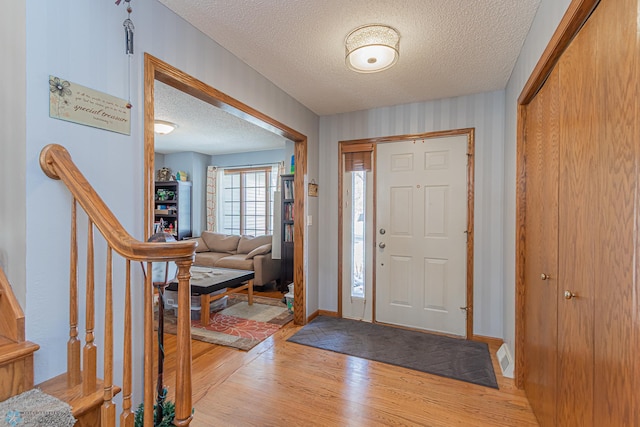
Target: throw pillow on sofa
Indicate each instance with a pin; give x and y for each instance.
(218, 242)
(202, 246)
(260, 250)
(249, 243)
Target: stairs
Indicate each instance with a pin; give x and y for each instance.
(16, 354)
(85, 409)
(16, 365)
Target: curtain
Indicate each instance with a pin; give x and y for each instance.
(277, 214)
(280, 173)
(212, 198)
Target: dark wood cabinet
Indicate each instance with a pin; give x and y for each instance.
(287, 218)
(173, 207)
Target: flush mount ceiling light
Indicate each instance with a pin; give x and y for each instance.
(372, 48)
(163, 127)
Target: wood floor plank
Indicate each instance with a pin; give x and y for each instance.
(281, 383)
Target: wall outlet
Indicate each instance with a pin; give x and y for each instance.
(309, 220)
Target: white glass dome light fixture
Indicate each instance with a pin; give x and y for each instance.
(163, 127)
(372, 48)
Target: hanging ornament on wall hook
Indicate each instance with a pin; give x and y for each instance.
(128, 30)
(128, 38)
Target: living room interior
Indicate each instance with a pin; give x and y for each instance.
(206, 136)
(289, 383)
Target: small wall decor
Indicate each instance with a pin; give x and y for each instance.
(78, 104)
(128, 43)
(313, 188)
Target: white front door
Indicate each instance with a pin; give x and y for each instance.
(421, 235)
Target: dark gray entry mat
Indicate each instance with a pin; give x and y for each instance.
(459, 359)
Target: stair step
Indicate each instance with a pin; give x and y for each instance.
(16, 367)
(86, 409)
(10, 350)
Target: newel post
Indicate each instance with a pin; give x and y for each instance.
(183, 351)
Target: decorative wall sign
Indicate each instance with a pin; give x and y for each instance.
(313, 188)
(79, 104)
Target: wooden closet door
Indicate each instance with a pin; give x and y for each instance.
(616, 309)
(541, 266)
(578, 228)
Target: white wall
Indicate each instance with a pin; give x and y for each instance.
(83, 42)
(249, 159)
(545, 23)
(12, 146)
(158, 161)
(199, 193)
(484, 112)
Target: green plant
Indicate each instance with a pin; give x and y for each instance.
(168, 414)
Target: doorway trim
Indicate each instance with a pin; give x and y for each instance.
(470, 132)
(156, 69)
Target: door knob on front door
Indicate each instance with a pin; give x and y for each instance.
(381, 245)
(545, 276)
(569, 295)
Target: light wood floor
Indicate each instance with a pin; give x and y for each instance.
(279, 383)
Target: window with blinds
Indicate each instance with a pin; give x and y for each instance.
(248, 201)
(357, 162)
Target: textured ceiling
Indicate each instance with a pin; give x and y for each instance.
(206, 129)
(448, 48)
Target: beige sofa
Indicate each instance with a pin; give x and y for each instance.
(240, 253)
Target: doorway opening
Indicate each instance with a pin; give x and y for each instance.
(158, 70)
(400, 225)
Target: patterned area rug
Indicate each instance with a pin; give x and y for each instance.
(239, 325)
(454, 358)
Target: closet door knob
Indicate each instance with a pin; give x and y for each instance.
(569, 295)
(545, 276)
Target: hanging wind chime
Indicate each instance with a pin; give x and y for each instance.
(128, 38)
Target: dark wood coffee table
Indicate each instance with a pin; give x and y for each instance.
(206, 280)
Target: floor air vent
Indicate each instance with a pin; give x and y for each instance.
(505, 360)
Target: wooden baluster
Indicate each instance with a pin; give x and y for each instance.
(89, 352)
(73, 345)
(108, 409)
(127, 416)
(183, 352)
(148, 347)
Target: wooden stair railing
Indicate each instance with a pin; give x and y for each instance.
(82, 382)
(16, 354)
